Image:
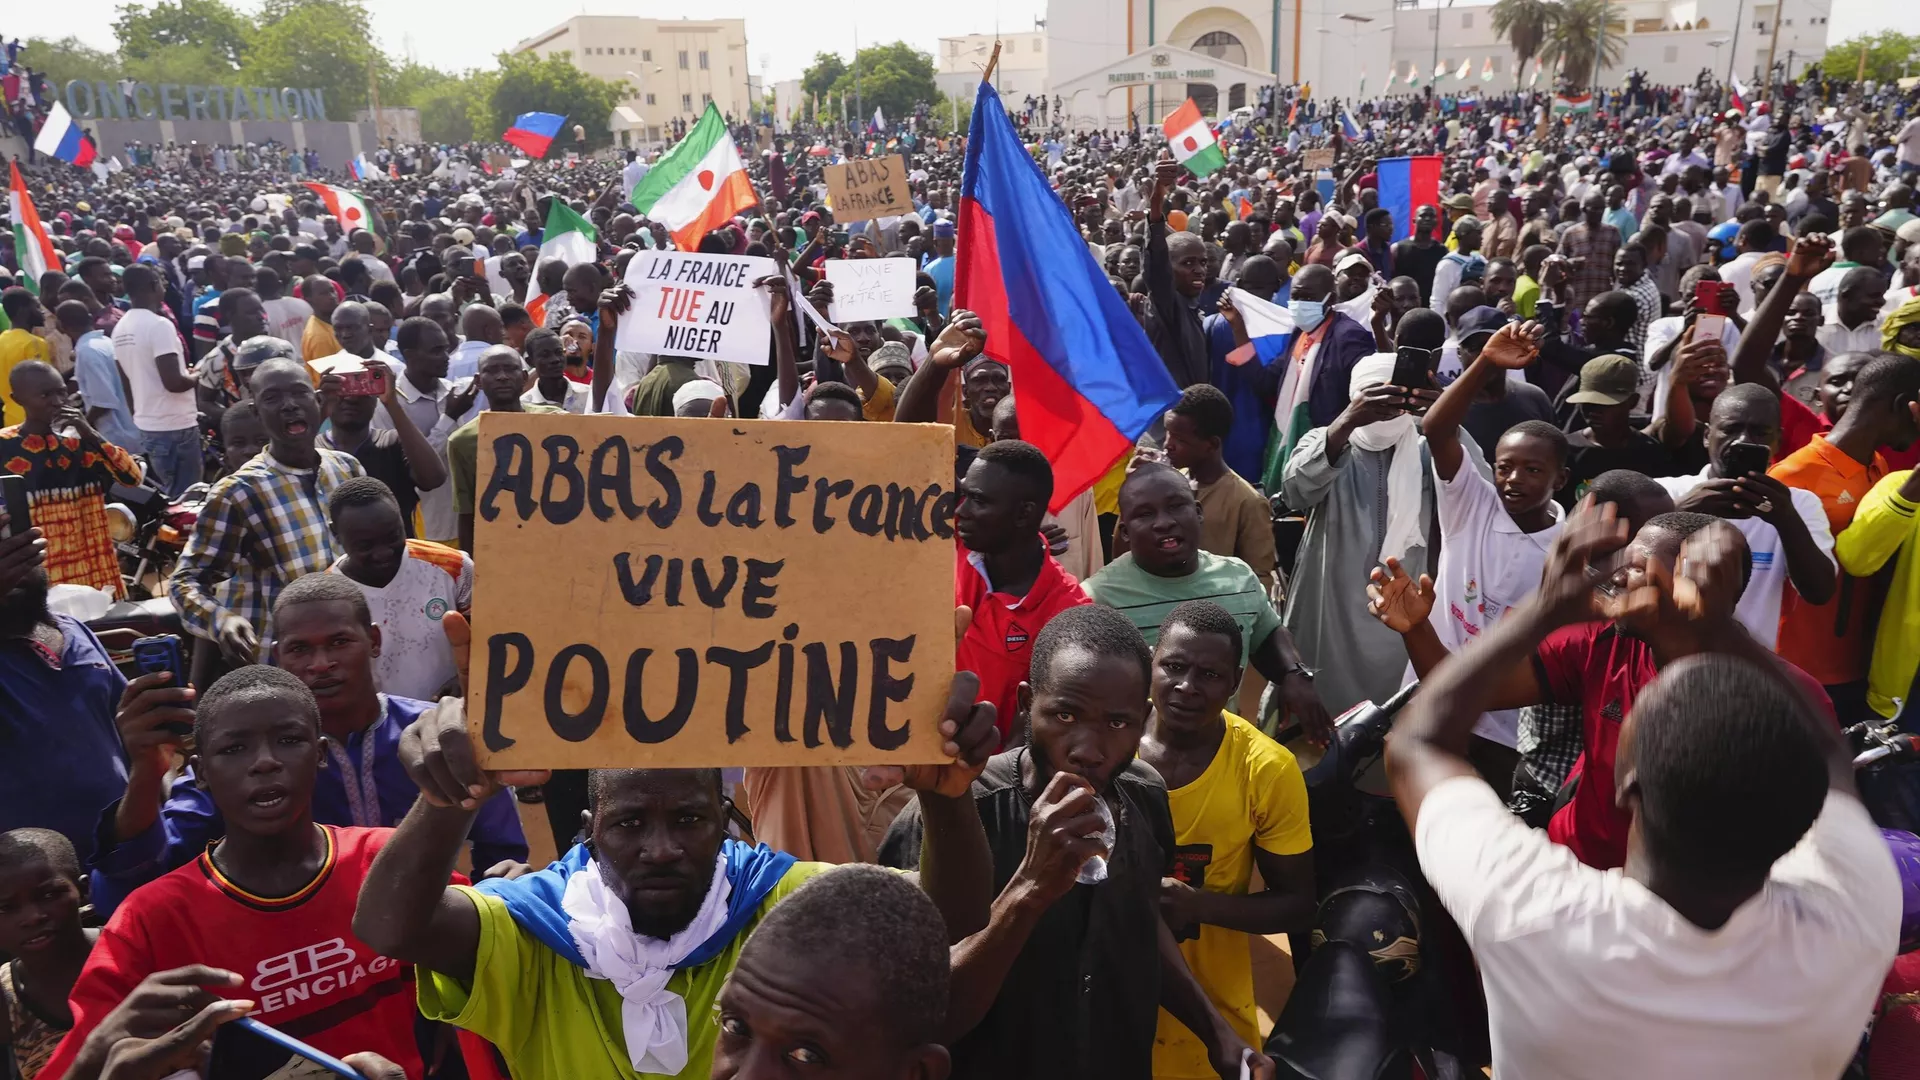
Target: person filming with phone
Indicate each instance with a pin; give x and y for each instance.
(399, 455)
(1367, 488)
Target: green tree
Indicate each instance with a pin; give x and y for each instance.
(1525, 24)
(149, 32)
(820, 76)
(1584, 30)
(188, 64)
(527, 83)
(69, 58)
(1890, 55)
(446, 101)
(319, 43)
(893, 77)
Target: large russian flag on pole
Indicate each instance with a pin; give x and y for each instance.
(62, 138)
(1088, 380)
(1406, 185)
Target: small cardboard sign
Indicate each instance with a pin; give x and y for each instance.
(689, 304)
(865, 289)
(868, 189)
(1317, 159)
(712, 592)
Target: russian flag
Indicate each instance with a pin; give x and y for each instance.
(1406, 185)
(62, 138)
(1738, 93)
(1269, 326)
(533, 132)
(1348, 128)
(1088, 380)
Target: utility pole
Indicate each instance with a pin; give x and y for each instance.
(1733, 50)
(1774, 43)
(1599, 55)
(859, 103)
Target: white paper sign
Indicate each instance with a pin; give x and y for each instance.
(865, 289)
(689, 304)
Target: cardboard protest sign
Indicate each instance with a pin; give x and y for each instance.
(862, 190)
(866, 289)
(710, 592)
(689, 304)
(1317, 159)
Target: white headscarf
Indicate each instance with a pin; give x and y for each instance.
(1406, 523)
(653, 1018)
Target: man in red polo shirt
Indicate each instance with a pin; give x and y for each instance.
(1600, 666)
(1004, 572)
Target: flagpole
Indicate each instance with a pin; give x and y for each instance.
(992, 62)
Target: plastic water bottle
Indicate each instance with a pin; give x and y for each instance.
(1094, 870)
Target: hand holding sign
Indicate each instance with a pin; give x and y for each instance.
(704, 306)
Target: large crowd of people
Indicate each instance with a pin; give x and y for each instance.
(1611, 447)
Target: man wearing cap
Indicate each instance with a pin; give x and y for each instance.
(1500, 403)
(940, 265)
(1609, 389)
(1460, 267)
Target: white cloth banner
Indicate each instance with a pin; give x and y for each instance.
(866, 289)
(704, 306)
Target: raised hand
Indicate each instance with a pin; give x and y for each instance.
(1396, 599)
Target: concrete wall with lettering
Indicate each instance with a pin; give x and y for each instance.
(335, 143)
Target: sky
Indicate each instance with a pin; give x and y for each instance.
(782, 37)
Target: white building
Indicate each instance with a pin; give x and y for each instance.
(1022, 70)
(672, 67)
(1136, 56)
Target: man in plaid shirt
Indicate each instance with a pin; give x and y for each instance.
(1589, 246)
(265, 523)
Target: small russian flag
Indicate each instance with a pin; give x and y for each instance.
(533, 132)
(363, 168)
(1347, 127)
(1269, 326)
(62, 138)
(1406, 184)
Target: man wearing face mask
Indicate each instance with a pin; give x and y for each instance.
(1367, 487)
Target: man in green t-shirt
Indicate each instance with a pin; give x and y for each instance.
(609, 962)
(1165, 566)
(501, 378)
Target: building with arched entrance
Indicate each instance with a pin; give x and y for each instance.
(1148, 84)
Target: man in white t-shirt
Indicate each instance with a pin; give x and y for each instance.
(1758, 909)
(409, 584)
(146, 346)
(1786, 528)
(1497, 531)
(286, 315)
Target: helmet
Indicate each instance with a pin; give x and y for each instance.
(1906, 860)
(257, 350)
(1723, 234)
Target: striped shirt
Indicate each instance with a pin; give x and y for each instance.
(263, 525)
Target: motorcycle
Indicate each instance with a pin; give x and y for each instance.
(1883, 769)
(149, 531)
(1372, 1000)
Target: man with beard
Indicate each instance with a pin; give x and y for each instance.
(61, 690)
(658, 903)
(1069, 975)
(232, 569)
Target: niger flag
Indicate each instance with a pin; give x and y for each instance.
(698, 186)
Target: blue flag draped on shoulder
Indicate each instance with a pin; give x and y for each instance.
(1088, 380)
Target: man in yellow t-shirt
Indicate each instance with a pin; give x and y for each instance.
(608, 963)
(19, 344)
(1239, 802)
